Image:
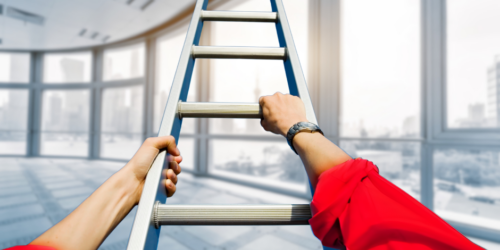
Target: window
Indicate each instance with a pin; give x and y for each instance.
(65, 122)
(124, 62)
(121, 122)
(380, 68)
(467, 186)
(14, 120)
(245, 81)
(473, 66)
(15, 67)
(67, 67)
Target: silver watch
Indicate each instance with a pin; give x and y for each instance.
(301, 127)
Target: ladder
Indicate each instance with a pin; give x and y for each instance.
(152, 212)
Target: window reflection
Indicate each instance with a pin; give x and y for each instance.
(65, 122)
(380, 68)
(121, 121)
(15, 67)
(67, 68)
(398, 162)
(124, 62)
(467, 186)
(14, 120)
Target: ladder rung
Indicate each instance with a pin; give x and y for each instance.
(239, 16)
(239, 52)
(293, 214)
(219, 110)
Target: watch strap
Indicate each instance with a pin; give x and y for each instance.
(301, 127)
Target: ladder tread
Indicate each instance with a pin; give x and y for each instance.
(221, 52)
(239, 16)
(282, 214)
(219, 110)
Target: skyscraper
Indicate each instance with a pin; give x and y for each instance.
(493, 91)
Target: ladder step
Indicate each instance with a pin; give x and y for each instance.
(219, 110)
(276, 53)
(293, 214)
(239, 16)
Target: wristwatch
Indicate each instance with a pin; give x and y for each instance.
(301, 127)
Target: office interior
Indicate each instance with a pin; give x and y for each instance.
(412, 85)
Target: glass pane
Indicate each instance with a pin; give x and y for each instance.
(467, 186)
(472, 63)
(12, 143)
(119, 146)
(124, 63)
(65, 110)
(380, 68)
(270, 163)
(186, 146)
(13, 109)
(15, 67)
(121, 122)
(67, 68)
(398, 162)
(122, 109)
(169, 51)
(64, 144)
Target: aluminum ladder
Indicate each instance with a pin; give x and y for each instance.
(152, 212)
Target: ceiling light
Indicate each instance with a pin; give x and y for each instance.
(25, 16)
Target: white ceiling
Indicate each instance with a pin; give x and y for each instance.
(65, 19)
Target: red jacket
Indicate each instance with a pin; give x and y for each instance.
(355, 207)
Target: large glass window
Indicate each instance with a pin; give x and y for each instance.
(67, 67)
(15, 67)
(13, 117)
(380, 68)
(124, 62)
(467, 186)
(65, 122)
(121, 121)
(473, 63)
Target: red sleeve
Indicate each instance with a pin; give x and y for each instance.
(30, 247)
(355, 207)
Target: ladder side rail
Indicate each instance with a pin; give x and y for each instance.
(295, 76)
(144, 234)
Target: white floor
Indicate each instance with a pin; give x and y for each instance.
(36, 193)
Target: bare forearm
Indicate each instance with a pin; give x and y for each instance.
(318, 154)
(89, 224)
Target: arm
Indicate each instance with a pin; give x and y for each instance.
(91, 222)
(316, 152)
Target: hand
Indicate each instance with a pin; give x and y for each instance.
(281, 112)
(139, 165)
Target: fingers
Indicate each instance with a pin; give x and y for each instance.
(162, 142)
(170, 187)
(174, 166)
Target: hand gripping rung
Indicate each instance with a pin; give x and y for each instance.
(290, 214)
(219, 110)
(239, 16)
(276, 53)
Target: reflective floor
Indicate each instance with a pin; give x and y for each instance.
(36, 193)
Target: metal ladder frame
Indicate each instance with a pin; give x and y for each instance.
(146, 230)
